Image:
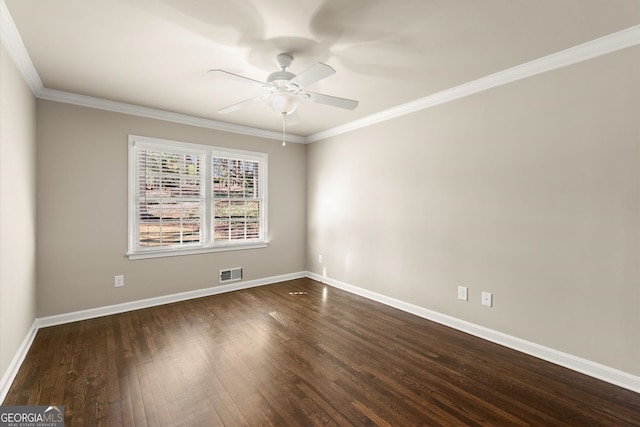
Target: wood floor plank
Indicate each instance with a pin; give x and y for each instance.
(299, 353)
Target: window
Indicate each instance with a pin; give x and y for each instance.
(187, 198)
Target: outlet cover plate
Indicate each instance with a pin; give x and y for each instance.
(487, 299)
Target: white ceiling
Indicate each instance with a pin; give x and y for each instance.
(156, 53)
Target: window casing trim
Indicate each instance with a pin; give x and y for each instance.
(160, 253)
(208, 244)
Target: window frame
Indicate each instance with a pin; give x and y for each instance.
(208, 242)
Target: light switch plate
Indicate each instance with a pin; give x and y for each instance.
(463, 293)
(118, 281)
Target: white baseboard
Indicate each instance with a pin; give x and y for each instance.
(584, 366)
(166, 299)
(75, 316)
(596, 370)
(14, 366)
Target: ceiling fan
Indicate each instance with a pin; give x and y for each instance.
(285, 89)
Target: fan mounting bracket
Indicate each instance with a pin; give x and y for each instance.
(284, 60)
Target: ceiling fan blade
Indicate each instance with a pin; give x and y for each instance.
(244, 103)
(333, 101)
(239, 78)
(311, 75)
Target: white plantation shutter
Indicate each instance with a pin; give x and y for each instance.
(188, 198)
(237, 199)
(169, 197)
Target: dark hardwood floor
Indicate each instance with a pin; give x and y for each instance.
(299, 353)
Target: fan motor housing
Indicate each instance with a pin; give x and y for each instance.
(280, 78)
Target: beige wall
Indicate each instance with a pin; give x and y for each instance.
(17, 210)
(82, 212)
(530, 191)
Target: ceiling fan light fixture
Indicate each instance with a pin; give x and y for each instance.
(283, 102)
(285, 89)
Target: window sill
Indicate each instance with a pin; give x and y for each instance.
(160, 253)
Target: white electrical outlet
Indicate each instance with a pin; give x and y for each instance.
(487, 299)
(118, 281)
(463, 293)
(320, 258)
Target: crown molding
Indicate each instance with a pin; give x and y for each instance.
(12, 41)
(601, 46)
(152, 113)
(583, 52)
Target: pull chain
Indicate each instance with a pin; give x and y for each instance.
(284, 121)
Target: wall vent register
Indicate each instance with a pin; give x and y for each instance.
(230, 275)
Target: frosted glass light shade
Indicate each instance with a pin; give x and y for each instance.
(283, 102)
